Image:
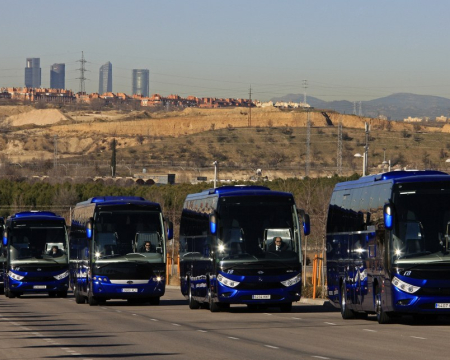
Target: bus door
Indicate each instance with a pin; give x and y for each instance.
(359, 268)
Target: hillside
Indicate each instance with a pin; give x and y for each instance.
(187, 142)
(395, 107)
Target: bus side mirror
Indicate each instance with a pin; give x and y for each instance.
(89, 228)
(213, 223)
(5, 238)
(170, 231)
(388, 216)
(306, 224)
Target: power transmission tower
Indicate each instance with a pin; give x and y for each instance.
(339, 149)
(82, 70)
(308, 144)
(55, 153)
(250, 107)
(366, 148)
(305, 85)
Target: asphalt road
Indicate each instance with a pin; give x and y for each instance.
(39, 327)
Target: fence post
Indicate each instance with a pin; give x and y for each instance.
(314, 275)
(167, 269)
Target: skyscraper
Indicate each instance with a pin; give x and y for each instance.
(105, 78)
(58, 76)
(33, 73)
(141, 82)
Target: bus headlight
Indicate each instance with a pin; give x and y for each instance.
(292, 281)
(14, 276)
(227, 282)
(404, 286)
(62, 275)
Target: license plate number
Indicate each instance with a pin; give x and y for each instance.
(442, 306)
(39, 287)
(259, 297)
(129, 290)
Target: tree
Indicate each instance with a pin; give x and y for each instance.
(113, 158)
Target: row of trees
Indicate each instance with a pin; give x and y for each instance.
(312, 195)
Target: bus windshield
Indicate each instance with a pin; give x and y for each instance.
(121, 232)
(39, 240)
(421, 229)
(257, 228)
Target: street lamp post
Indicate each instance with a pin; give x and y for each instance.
(358, 155)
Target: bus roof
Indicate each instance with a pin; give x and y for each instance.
(117, 200)
(237, 190)
(396, 177)
(35, 215)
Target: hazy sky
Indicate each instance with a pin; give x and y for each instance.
(352, 50)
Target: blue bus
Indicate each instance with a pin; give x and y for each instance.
(3, 255)
(36, 248)
(227, 248)
(108, 258)
(387, 245)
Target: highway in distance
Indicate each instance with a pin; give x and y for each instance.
(39, 327)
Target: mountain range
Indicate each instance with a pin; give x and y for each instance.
(395, 107)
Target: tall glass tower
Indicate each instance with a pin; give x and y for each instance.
(141, 82)
(33, 73)
(105, 78)
(58, 76)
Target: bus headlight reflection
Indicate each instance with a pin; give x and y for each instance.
(292, 281)
(227, 282)
(404, 286)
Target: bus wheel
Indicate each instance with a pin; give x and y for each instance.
(213, 306)
(6, 292)
(382, 317)
(11, 294)
(192, 303)
(92, 301)
(346, 313)
(79, 299)
(286, 307)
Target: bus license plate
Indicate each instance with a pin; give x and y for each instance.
(129, 290)
(259, 297)
(39, 287)
(442, 305)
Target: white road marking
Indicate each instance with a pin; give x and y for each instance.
(203, 331)
(418, 337)
(370, 330)
(176, 324)
(297, 318)
(320, 357)
(154, 320)
(272, 347)
(233, 338)
(330, 323)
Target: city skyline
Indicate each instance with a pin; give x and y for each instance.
(105, 78)
(57, 76)
(344, 50)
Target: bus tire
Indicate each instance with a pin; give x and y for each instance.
(6, 292)
(193, 304)
(346, 313)
(2, 289)
(382, 316)
(11, 294)
(286, 307)
(79, 299)
(213, 306)
(92, 301)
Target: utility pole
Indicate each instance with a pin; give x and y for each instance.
(82, 70)
(55, 152)
(250, 107)
(339, 149)
(366, 148)
(305, 85)
(308, 143)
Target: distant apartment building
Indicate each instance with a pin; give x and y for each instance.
(58, 76)
(412, 119)
(105, 79)
(141, 82)
(441, 118)
(33, 73)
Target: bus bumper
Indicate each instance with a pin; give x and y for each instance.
(37, 287)
(267, 296)
(420, 304)
(128, 289)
